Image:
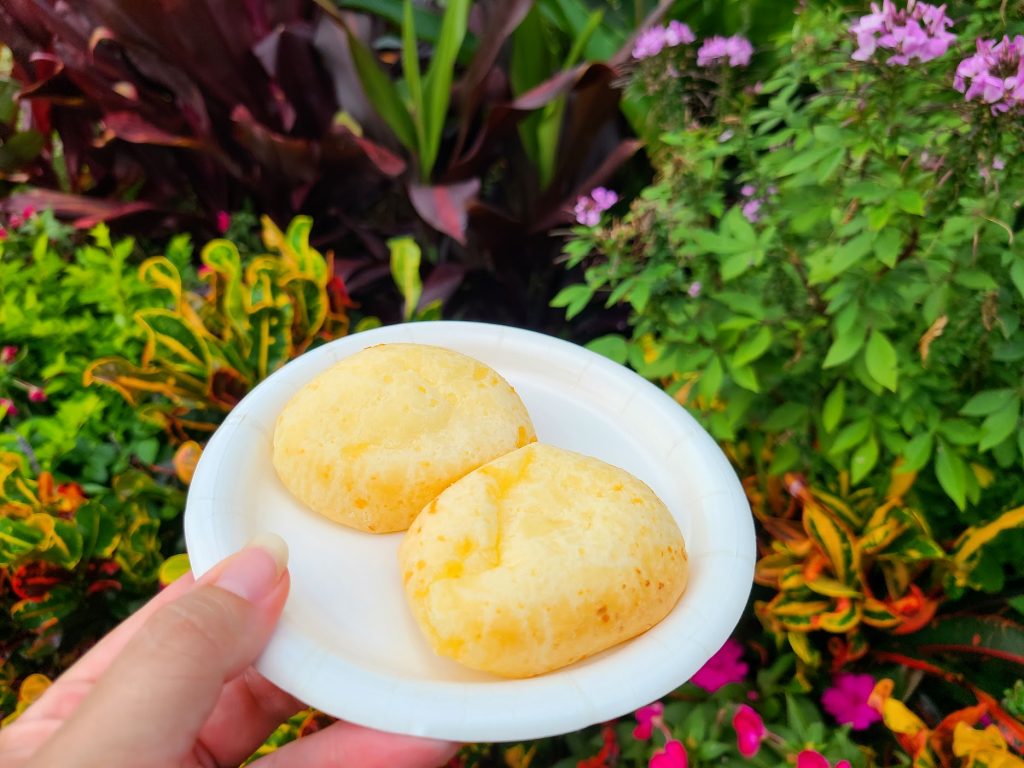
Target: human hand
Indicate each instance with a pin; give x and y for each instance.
(174, 687)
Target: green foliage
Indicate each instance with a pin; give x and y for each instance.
(864, 311)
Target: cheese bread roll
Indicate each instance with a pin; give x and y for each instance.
(373, 439)
(539, 559)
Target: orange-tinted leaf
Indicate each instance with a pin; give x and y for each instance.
(185, 460)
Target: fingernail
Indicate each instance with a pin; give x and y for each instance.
(254, 572)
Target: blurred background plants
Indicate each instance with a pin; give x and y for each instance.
(814, 247)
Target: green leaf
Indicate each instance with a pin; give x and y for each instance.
(851, 435)
(887, 247)
(382, 93)
(405, 270)
(835, 404)
(845, 346)
(437, 85)
(711, 380)
(909, 201)
(959, 432)
(411, 71)
(745, 377)
(1017, 275)
(951, 473)
(755, 346)
(976, 280)
(989, 401)
(999, 425)
(786, 416)
(880, 358)
(611, 346)
(574, 298)
(863, 460)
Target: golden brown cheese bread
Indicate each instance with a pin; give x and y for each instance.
(539, 559)
(373, 439)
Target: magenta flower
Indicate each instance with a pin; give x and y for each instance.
(920, 31)
(36, 394)
(653, 41)
(589, 208)
(8, 353)
(737, 50)
(672, 756)
(28, 212)
(646, 718)
(15, 221)
(7, 408)
(750, 730)
(995, 74)
(812, 759)
(723, 668)
(847, 701)
(223, 221)
(3, 233)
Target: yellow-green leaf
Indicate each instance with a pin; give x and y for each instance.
(405, 269)
(843, 619)
(173, 568)
(834, 539)
(831, 588)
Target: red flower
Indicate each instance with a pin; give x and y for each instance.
(7, 408)
(609, 751)
(28, 212)
(8, 353)
(223, 221)
(750, 730)
(36, 395)
(672, 756)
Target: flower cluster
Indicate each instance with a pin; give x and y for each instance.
(735, 50)
(653, 41)
(589, 208)
(920, 31)
(995, 74)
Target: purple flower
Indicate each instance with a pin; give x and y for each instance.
(694, 291)
(750, 210)
(589, 208)
(748, 190)
(847, 701)
(723, 668)
(995, 74)
(653, 41)
(737, 50)
(917, 32)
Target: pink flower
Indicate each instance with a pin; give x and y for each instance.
(15, 221)
(653, 41)
(678, 33)
(995, 73)
(716, 50)
(694, 291)
(750, 730)
(223, 221)
(750, 210)
(748, 190)
(589, 208)
(36, 394)
(847, 701)
(672, 756)
(8, 353)
(7, 408)
(3, 233)
(28, 212)
(646, 718)
(917, 32)
(723, 668)
(812, 759)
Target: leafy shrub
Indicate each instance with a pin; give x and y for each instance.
(112, 374)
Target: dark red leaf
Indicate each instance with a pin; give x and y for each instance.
(227, 388)
(441, 283)
(84, 212)
(33, 581)
(445, 208)
(130, 126)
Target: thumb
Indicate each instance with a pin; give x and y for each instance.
(149, 706)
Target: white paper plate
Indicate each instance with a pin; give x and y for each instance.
(347, 643)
